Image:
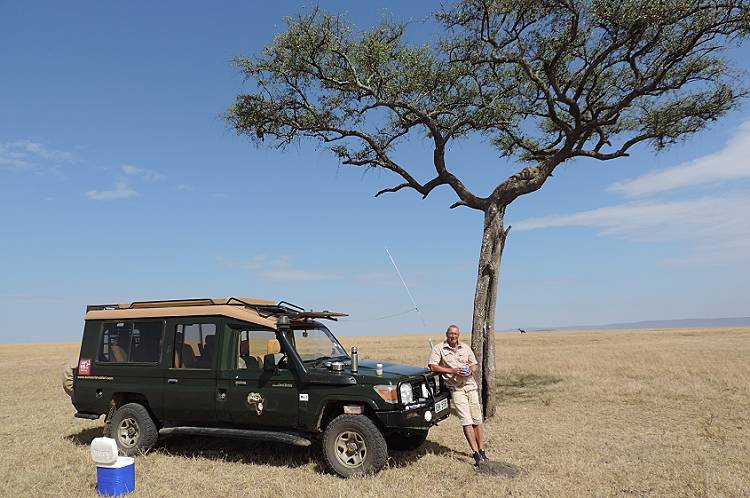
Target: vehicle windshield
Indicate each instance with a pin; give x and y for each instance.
(315, 342)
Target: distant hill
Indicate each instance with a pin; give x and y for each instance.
(654, 324)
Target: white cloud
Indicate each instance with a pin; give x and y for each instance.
(183, 187)
(717, 228)
(121, 190)
(143, 173)
(714, 228)
(730, 163)
(25, 154)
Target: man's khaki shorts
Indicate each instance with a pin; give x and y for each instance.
(467, 406)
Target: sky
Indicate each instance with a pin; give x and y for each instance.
(120, 181)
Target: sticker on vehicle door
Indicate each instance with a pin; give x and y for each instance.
(255, 400)
(84, 366)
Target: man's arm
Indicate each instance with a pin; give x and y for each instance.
(441, 369)
(434, 362)
(473, 363)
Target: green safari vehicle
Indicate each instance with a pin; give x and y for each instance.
(247, 368)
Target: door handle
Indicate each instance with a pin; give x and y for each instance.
(171, 381)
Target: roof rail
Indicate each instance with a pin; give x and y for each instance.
(265, 309)
(153, 304)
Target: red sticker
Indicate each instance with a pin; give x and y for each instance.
(84, 366)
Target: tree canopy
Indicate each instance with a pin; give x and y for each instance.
(543, 81)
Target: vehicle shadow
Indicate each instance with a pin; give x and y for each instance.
(237, 450)
(406, 458)
(85, 437)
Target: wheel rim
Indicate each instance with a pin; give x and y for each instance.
(351, 449)
(128, 432)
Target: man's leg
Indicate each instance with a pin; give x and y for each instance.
(479, 435)
(461, 403)
(470, 438)
(475, 408)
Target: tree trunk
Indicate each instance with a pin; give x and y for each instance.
(485, 300)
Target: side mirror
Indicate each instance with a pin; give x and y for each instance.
(269, 363)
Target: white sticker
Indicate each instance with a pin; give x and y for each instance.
(304, 397)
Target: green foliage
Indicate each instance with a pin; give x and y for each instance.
(544, 80)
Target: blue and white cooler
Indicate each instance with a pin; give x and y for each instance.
(115, 475)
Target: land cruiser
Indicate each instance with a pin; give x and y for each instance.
(247, 368)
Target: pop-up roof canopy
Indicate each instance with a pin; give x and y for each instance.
(259, 311)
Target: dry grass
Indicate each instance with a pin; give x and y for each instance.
(596, 413)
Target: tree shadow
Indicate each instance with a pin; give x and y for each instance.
(524, 386)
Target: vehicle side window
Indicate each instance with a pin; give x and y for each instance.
(194, 345)
(253, 346)
(131, 342)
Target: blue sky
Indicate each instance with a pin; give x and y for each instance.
(120, 181)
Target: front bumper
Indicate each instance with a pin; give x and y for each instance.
(413, 416)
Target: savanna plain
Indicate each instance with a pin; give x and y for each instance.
(594, 413)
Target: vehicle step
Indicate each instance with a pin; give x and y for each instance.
(279, 437)
(90, 416)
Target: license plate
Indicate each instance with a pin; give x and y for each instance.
(441, 405)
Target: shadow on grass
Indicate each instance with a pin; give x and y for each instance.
(408, 457)
(85, 437)
(524, 386)
(221, 448)
(237, 450)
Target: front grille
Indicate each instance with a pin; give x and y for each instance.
(420, 389)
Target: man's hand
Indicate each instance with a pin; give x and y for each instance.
(445, 370)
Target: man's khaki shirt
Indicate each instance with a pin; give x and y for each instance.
(458, 357)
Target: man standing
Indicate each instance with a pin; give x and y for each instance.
(457, 364)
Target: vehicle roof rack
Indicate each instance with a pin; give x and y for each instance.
(264, 308)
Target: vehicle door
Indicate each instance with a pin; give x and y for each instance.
(127, 360)
(190, 380)
(251, 397)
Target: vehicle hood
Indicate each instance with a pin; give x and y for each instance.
(393, 372)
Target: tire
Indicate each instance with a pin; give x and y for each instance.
(133, 429)
(353, 445)
(406, 440)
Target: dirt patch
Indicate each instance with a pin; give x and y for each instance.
(502, 469)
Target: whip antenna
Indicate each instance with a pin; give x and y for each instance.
(406, 287)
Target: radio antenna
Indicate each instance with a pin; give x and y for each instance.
(406, 287)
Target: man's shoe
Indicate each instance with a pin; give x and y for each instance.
(477, 459)
(484, 455)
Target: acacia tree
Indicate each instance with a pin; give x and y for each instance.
(545, 81)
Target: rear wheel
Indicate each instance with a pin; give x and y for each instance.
(406, 440)
(133, 429)
(353, 445)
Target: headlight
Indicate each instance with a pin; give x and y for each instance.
(407, 396)
(388, 393)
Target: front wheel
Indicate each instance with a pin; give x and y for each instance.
(406, 440)
(353, 445)
(133, 429)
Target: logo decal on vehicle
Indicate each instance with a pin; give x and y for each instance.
(255, 400)
(84, 366)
